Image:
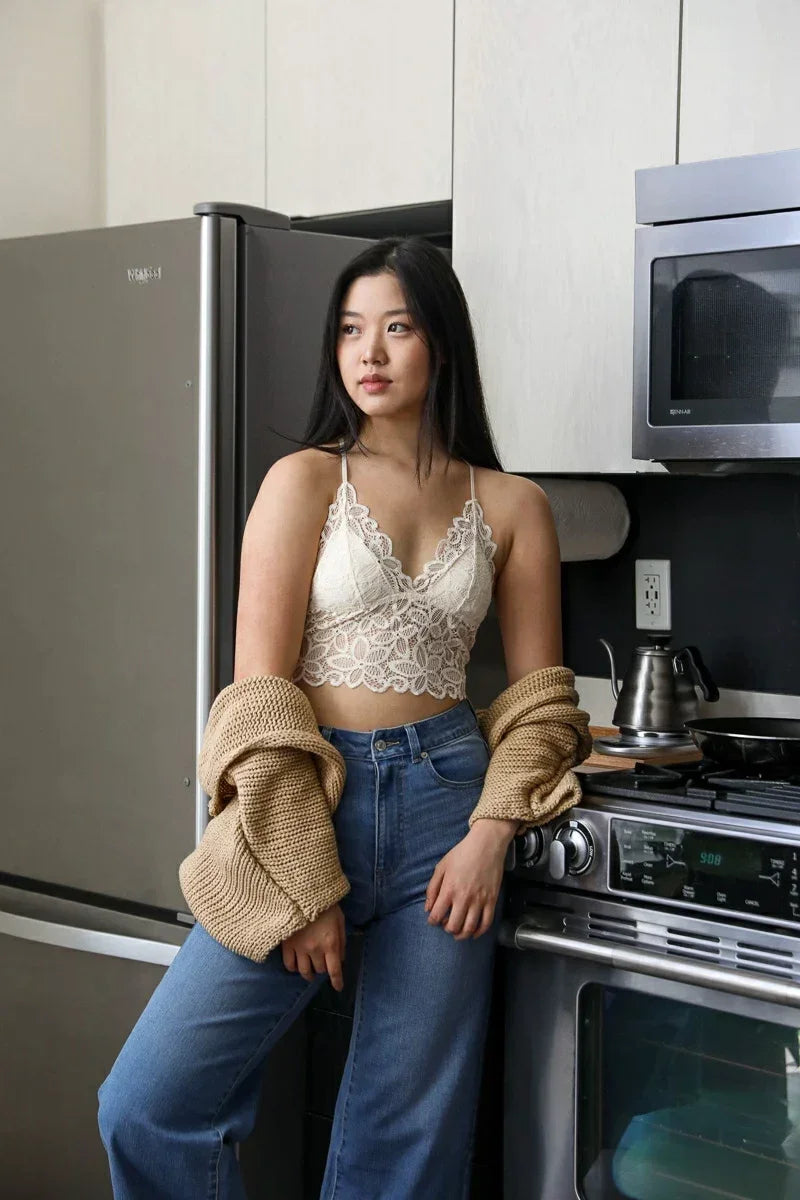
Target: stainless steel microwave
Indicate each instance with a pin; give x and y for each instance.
(716, 363)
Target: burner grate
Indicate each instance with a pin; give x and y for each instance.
(772, 792)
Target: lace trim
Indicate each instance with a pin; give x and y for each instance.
(450, 547)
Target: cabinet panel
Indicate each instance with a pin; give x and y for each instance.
(555, 108)
(185, 116)
(738, 78)
(359, 104)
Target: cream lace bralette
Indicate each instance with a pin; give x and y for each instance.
(370, 623)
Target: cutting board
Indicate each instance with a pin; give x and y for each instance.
(618, 762)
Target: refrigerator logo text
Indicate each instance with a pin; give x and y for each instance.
(143, 274)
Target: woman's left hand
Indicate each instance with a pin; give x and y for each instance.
(467, 881)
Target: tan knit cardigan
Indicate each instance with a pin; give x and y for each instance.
(535, 734)
(267, 864)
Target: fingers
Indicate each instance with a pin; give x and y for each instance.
(467, 919)
(333, 964)
(317, 957)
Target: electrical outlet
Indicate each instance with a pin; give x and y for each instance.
(653, 600)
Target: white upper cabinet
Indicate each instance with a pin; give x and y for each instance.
(739, 78)
(184, 106)
(359, 104)
(555, 107)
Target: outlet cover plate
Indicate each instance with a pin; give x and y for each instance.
(653, 594)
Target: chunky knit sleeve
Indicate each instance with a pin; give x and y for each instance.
(536, 734)
(267, 864)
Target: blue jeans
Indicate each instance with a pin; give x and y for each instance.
(185, 1087)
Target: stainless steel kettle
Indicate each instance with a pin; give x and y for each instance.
(658, 689)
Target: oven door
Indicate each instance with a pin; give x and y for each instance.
(716, 372)
(641, 1075)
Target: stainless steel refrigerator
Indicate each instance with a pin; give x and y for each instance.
(147, 373)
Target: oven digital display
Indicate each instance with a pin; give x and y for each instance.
(696, 867)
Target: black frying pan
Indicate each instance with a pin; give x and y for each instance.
(748, 741)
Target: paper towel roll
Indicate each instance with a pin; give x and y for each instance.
(591, 517)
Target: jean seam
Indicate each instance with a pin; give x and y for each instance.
(243, 1071)
(357, 1022)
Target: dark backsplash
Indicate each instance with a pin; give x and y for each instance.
(734, 546)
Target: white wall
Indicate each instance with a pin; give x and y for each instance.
(51, 98)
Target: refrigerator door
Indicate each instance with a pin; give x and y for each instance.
(99, 346)
(284, 282)
(73, 980)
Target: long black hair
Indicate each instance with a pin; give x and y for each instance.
(454, 414)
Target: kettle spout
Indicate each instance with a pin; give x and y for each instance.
(609, 648)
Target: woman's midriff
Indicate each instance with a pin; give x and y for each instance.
(361, 709)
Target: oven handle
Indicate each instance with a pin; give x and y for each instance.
(526, 936)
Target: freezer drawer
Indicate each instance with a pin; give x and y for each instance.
(64, 1015)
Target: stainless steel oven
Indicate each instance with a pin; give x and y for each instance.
(717, 313)
(652, 967)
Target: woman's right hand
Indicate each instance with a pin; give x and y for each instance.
(318, 947)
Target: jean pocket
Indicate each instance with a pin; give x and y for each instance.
(460, 763)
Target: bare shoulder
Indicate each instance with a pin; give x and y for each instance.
(309, 475)
(511, 504)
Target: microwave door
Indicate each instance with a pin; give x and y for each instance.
(717, 340)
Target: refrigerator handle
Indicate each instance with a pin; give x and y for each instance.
(208, 374)
(93, 941)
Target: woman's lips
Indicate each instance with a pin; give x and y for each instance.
(373, 386)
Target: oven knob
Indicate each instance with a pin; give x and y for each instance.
(571, 850)
(529, 846)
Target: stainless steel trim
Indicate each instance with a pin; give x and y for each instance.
(91, 941)
(206, 495)
(718, 187)
(752, 986)
(708, 442)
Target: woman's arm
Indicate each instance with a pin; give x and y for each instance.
(279, 548)
(528, 591)
(528, 602)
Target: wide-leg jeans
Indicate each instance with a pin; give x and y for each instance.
(185, 1087)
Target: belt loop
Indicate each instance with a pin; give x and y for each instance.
(413, 741)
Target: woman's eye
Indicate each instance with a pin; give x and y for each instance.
(346, 328)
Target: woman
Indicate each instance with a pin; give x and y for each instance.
(363, 581)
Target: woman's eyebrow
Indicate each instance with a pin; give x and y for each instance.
(390, 312)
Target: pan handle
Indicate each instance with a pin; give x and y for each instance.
(699, 669)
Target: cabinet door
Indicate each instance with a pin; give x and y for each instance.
(555, 106)
(739, 78)
(185, 116)
(359, 104)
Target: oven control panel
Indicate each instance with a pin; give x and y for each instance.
(704, 868)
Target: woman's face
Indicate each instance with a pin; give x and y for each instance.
(377, 337)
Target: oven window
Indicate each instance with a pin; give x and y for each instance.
(677, 1102)
(725, 338)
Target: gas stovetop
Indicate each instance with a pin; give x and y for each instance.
(772, 794)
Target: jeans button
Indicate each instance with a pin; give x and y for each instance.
(380, 744)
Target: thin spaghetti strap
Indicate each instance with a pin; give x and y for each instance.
(472, 481)
(344, 466)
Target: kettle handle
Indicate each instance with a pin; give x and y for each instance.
(610, 652)
(699, 669)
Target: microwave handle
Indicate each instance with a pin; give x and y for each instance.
(524, 936)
